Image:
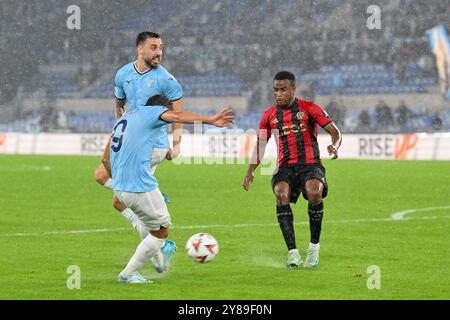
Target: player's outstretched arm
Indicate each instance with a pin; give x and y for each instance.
(255, 160)
(336, 140)
(221, 119)
(177, 129)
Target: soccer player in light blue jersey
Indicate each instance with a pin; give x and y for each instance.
(135, 83)
(127, 157)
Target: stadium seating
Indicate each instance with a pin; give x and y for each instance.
(222, 48)
(365, 79)
(206, 86)
(104, 90)
(60, 84)
(91, 122)
(209, 86)
(153, 15)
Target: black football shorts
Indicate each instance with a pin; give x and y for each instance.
(297, 176)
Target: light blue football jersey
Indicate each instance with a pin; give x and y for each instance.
(132, 141)
(137, 87)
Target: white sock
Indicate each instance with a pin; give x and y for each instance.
(108, 184)
(148, 248)
(314, 246)
(135, 222)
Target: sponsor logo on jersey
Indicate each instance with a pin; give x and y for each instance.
(293, 128)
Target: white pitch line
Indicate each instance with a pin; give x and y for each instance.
(401, 214)
(27, 168)
(50, 233)
(199, 227)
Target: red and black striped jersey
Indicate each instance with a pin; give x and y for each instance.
(295, 128)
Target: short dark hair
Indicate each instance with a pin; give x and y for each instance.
(285, 75)
(159, 100)
(141, 37)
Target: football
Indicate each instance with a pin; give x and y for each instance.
(202, 247)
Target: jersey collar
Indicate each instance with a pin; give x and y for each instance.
(292, 105)
(141, 73)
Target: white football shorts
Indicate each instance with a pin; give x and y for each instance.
(148, 206)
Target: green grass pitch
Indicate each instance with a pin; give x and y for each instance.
(42, 197)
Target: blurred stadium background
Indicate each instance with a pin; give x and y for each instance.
(225, 53)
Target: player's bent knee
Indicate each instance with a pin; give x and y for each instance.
(101, 176)
(314, 196)
(97, 175)
(282, 194)
(119, 206)
(283, 198)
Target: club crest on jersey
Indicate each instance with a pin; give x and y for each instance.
(300, 115)
(275, 121)
(150, 83)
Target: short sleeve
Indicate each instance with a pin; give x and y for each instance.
(171, 88)
(264, 131)
(118, 87)
(320, 115)
(153, 114)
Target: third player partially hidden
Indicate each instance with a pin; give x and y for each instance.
(300, 170)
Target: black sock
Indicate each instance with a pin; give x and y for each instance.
(286, 221)
(315, 213)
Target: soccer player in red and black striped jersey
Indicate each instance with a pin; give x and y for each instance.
(300, 171)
